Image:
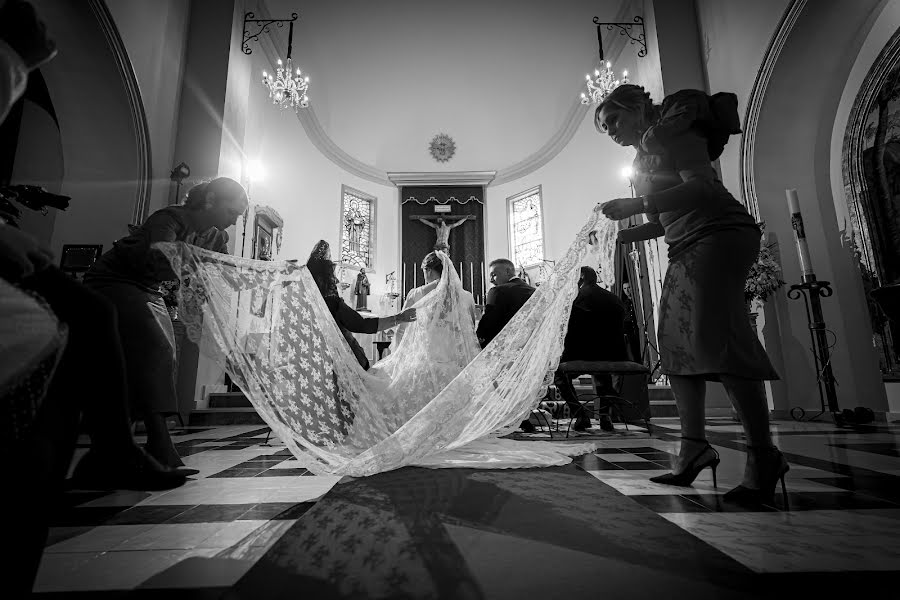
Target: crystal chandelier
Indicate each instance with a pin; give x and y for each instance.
(604, 80)
(287, 88)
(601, 84)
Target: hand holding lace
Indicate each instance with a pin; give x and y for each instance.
(622, 208)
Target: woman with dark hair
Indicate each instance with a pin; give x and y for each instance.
(130, 275)
(704, 333)
(348, 320)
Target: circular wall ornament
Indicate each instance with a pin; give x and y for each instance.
(442, 147)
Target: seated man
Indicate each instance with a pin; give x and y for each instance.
(596, 332)
(503, 301)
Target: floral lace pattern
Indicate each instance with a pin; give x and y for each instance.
(437, 401)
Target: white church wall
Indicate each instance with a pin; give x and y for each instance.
(734, 37)
(586, 172)
(154, 34)
(793, 150)
(98, 142)
(495, 76)
(305, 187)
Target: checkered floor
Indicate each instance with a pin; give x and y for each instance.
(843, 490)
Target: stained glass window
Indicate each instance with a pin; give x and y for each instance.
(357, 229)
(526, 226)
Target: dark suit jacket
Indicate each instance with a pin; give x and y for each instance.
(503, 301)
(596, 327)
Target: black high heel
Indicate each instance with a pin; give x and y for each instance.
(771, 467)
(687, 477)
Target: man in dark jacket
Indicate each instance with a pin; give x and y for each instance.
(596, 332)
(504, 300)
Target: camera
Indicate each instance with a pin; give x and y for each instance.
(30, 196)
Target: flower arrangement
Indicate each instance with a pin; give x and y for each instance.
(765, 274)
(169, 291)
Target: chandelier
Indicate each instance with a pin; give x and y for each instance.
(601, 84)
(604, 80)
(286, 88)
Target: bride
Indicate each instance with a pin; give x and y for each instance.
(431, 351)
(436, 401)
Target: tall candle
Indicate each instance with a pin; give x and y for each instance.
(472, 277)
(462, 275)
(403, 285)
(414, 275)
(799, 235)
(481, 268)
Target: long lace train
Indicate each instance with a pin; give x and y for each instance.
(436, 401)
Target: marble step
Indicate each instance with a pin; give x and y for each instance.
(238, 415)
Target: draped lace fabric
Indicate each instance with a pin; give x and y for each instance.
(436, 401)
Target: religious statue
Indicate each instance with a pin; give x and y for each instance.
(443, 230)
(524, 276)
(361, 290)
(391, 281)
(355, 226)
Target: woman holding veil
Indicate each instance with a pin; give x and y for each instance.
(321, 267)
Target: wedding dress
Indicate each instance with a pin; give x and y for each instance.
(436, 401)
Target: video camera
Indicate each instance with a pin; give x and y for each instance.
(30, 196)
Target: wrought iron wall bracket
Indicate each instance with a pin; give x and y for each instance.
(263, 25)
(626, 30)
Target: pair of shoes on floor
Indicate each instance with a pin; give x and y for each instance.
(770, 464)
(527, 427)
(606, 423)
(133, 470)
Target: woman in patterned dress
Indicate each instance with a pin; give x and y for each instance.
(704, 332)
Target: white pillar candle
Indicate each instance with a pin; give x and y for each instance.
(472, 277)
(414, 275)
(482, 282)
(403, 285)
(799, 234)
(462, 275)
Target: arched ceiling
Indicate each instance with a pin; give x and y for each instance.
(499, 77)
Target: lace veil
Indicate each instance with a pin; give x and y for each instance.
(436, 401)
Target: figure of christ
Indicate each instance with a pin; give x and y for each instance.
(443, 230)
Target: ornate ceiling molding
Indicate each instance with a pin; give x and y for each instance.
(755, 102)
(457, 178)
(549, 150)
(321, 140)
(135, 103)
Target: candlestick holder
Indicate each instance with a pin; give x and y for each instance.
(812, 291)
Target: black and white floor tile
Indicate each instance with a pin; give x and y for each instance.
(252, 524)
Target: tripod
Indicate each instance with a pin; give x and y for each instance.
(636, 275)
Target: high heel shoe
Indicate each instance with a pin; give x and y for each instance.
(771, 467)
(689, 474)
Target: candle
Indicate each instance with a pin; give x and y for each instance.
(414, 275)
(481, 268)
(462, 275)
(472, 277)
(403, 285)
(799, 235)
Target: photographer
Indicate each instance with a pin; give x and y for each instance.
(45, 316)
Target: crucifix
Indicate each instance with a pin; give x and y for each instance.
(442, 229)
